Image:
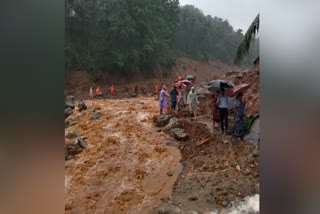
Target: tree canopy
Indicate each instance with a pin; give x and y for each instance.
(133, 35)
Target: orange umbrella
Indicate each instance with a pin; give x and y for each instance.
(237, 89)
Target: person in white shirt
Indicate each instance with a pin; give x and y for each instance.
(223, 105)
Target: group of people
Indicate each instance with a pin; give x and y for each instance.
(221, 112)
(178, 99)
(98, 91)
(220, 108)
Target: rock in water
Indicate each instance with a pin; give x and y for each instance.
(73, 134)
(83, 144)
(67, 112)
(179, 134)
(192, 198)
(71, 150)
(163, 120)
(95, 117)
(69, 104)
(70, 98)
(76, 118)
(82, 106)
(69, 157)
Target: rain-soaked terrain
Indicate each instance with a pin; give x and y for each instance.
(129, 167)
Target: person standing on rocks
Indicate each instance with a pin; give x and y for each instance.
(91, 93)
(136, 89)
(111, 89)
(238, 129)
(223, 105)
(192, 101)
(163, 99)
(216, 114)
(180, 99)
(156, 90)
(98, 92)
(174, 95)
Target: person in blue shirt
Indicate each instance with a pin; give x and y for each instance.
(174, 95)
(238, 124)
(223, 105)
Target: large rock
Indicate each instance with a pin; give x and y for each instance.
(67, 112)
(69, 123)
(70, 98)
(69, 104)
(83, 144)
(163, 120)
(76, 118)
(173, 123)
(71, 150)
(82, 106)
(179, 134)
(73, 134)
(95, 117)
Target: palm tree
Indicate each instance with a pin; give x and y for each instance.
(244, 46)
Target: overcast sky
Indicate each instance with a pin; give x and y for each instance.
(239, 13)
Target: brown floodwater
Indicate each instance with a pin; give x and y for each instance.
(124, 169)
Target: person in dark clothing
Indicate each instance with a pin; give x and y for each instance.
(174, 95)
(136, 89)
(238, 129)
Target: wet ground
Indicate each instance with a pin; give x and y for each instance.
(124, 169)
(128, 167)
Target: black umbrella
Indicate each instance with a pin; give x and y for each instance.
(220, 84)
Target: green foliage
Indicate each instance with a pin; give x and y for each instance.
(207, 38)
(124, 34)
(251, 33)
(134, 35)
(248, 122)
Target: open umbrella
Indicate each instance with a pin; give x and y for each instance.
(186, 81)
(189, 76)
(179, 84)
(220, 84)
(237, 89)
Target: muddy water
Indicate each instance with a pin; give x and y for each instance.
(124, 169)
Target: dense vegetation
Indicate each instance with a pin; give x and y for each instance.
(133, 35)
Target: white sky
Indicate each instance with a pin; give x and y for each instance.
(239, 13)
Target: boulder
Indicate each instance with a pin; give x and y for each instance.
(70, 123)
(76, 118)
(173, 123)
(162, 120)
(69, 104)
(95, 117)
(154, 118)
(83, 144)
(69, 157)
(71, 150)
(192, 198)
(179, 134)
(70, 98)
(73, 134)
(67, 112)
(82, 106)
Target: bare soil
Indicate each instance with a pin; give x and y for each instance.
(129, 167)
